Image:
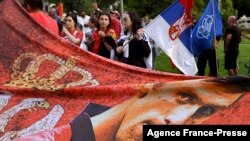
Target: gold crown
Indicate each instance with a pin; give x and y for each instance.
(28, 78)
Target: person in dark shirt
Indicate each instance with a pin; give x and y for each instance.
(138, 47)
(231, 46)
(208, 55)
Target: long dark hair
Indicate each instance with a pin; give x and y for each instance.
(73, 16)
(136, 22)
(97, 21)
(33, 4)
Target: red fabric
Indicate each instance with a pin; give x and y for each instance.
(46, 21)
(97, 40)
(116, 25)
(237, 114)
(60, 9)
(26, 42)
(189, 5)
(35, 63)
(76, 33)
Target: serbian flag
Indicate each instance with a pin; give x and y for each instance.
(207, 28)
(60, 9)
(171, 30)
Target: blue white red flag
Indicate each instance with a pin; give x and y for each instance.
(207, 28)
(171, 30)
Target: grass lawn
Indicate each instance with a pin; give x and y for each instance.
(162, 62)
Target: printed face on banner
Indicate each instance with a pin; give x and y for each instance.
(174, 103)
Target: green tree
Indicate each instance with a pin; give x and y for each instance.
(151, 7)
(147, 7)
(226, 10)
(198, 7)
(242, 6)
(85, 5)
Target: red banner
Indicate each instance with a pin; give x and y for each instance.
(47, 83)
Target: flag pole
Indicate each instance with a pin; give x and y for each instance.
(128, 41)
(122, 11)
(215, 43)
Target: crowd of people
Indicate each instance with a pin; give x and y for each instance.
(103, 34)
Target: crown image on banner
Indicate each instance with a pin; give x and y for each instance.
(29, 78)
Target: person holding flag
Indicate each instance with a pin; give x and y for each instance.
(133, 46)
(205, 37)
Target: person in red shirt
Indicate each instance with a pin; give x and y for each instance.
(115, 14)
(104, 37)
(34, 7)
(69, 30)
(116, 25)
(115, 22)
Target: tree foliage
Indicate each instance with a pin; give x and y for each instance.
(198, 7)
(83, 5)
(225, 7)
(226, 10)
(147, 7)
(154, 7)
(242, 7)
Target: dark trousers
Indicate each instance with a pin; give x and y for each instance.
(210, 56)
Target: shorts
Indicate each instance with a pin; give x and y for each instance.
(231, 60)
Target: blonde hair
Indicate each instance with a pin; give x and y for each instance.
(231, 20)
